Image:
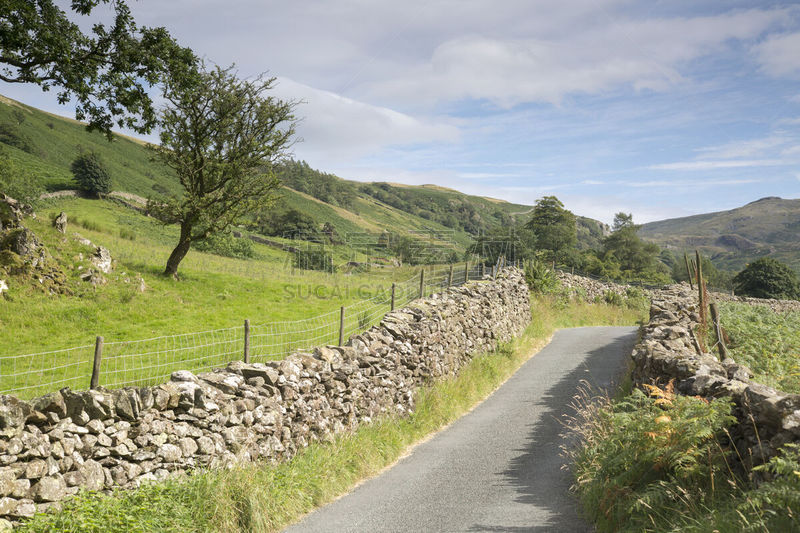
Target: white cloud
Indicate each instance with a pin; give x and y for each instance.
(711, 165)
(778, 54)
(336, 128)
(591, 58)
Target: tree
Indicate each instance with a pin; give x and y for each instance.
(553, 227)
(91, 174)
(221, 135)
(767, 278)
(106, 71)
(636, 258)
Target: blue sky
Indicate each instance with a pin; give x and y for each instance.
(658, 108)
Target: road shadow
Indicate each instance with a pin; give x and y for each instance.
(537, 473)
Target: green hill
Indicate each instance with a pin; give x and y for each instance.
(42, 146)
(769, 226)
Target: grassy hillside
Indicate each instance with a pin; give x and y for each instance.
(45, 145)
(769, 226)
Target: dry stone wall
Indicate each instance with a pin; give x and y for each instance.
(767, 418)
(53, 446)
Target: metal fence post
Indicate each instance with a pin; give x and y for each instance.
(392, 297)
(422, 282)
(98, 356)
(341, 326)
(247, 341)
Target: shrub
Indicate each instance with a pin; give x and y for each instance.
(648, 460)
(767, 278)
(613, 298)
(91, 174)
(227, 245)
(539, 277)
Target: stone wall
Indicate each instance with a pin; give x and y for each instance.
(57, 444)
(767, 418)
(592, 289)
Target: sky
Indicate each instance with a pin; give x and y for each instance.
(657, 108)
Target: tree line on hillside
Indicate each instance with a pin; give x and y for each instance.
(550, 236)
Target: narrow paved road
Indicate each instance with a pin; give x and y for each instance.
(499, 467)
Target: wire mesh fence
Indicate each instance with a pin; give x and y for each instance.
(149, 361)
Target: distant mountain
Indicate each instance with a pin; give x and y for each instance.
(769, 226)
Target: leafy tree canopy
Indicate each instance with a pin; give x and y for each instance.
(636, 259)
(106, 71)
(767, 278)
(553, 228)
(221, 135)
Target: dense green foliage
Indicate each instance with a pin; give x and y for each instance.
(323, 186)
(553, 227)
(658, 463)
(219, 134)
(766, 341)
(279, 220)
(105, 72)
(225, 244)
(767, 278)
(91, 174)
(539, 277)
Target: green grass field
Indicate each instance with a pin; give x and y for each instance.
(288, 308)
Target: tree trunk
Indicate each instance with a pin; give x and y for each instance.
(179, 252)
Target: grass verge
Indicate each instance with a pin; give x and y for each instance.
(262, 497)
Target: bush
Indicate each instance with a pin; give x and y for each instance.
(767, 278)
(225, 244)
(539, 277)
(91, 174)
(648, 460)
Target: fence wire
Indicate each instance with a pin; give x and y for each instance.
(151, 361)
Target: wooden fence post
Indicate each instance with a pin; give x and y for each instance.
(723, 350)
(483, 270)
(247, 341)
(688, 270)
(98, 356)
(392, 297)
(422, 282)
(450, 276)
(466, 271)
(341, 325)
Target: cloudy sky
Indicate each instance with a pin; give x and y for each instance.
(661, 108)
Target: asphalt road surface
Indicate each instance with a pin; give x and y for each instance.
(499, 468)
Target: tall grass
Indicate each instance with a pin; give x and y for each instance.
(766, 341)
(660, 462)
